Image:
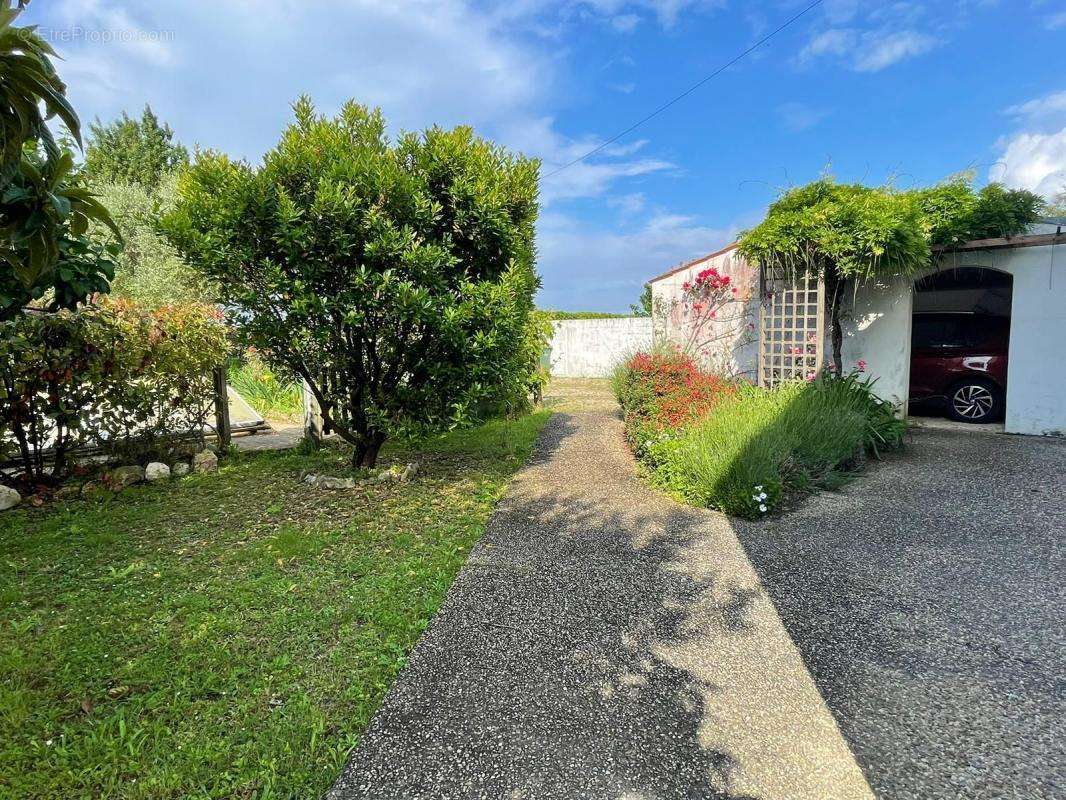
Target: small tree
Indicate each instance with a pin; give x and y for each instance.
(149, 270)
(396, 278)
(642, 308)
(133, 151)
(848, 232)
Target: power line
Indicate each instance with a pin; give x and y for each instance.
(687, 92)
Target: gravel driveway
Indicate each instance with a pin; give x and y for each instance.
(903, 637)
(929, 602)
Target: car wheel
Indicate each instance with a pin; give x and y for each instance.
(975, 401)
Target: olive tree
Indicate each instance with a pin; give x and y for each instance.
(395, 277)
(849, 232)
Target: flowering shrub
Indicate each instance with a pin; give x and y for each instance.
(710, 319)
(740, 448)
(113, 376)
(662, 392)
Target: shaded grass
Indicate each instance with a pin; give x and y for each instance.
(227, 635)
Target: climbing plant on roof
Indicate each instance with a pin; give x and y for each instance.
(850, 233)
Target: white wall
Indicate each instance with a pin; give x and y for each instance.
(879, 333)
(590, 348)
(737, 353)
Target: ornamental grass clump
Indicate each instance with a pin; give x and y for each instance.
(759, 445)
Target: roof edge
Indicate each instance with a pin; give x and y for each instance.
(692, 263)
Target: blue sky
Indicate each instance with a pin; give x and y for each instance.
(903, 91)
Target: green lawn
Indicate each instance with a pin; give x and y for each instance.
(227, 635)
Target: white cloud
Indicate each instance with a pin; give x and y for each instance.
(1035, 161)
(1041, 108)
(797, 117)
(877, 51)
(867, 51)
(605, 269)
(590, 178)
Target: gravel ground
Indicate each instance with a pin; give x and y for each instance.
(929, 602)
(603, 642)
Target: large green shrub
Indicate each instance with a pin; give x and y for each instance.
(124, 379)
(395, 277)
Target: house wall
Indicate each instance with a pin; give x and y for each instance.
(879, 333)
(591, 348)
(738, 351)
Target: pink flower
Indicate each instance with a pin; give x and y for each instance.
(861, 365)
(811, 375)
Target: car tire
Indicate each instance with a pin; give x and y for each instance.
(975, 400)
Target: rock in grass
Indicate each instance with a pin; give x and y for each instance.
(121, 477)
(330, 482)
(205, 461)
(156, 471)
(9, 498)
(180, 470)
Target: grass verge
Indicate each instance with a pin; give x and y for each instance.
(228, 635)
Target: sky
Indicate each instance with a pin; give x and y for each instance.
(900, 92)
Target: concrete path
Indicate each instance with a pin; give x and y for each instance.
(929, 601)
(603, 642)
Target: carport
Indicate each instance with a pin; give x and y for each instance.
(1022, 279)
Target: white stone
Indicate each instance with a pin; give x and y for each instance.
(205, 461)
(9, 498)
(156, 471)
(180, 469)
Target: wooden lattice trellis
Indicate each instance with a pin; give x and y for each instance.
(791, 327)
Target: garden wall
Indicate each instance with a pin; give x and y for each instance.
(590, 348)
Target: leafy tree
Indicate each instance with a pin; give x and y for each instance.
(396, 278)
(133, 151)
(149, 270)
(642, 308)
(850, 232)
(1057, 207)
(44, 209)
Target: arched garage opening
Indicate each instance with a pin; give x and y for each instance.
(959, 344)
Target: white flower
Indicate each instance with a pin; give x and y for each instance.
(758, 488)
(762, 507)
(49, 743)
(762, 496)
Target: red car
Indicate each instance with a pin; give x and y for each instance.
(959, 362)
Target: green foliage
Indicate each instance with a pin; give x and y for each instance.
(742, 449)
(28, 80)
(396, 278)
(848, 232)
(148, 269)
(44, 211)
(133, 151)
(796, 437)
(112, 376)
(272, 395)
(135, 630)
(643, 306)
(583, 315)
(856, 231)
